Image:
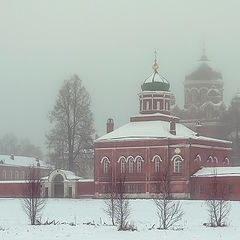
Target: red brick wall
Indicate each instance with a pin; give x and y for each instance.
(221, 181)
(85, 188)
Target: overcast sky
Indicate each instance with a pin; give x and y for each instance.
(110, 45)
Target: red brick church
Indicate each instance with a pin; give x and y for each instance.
(154, 142)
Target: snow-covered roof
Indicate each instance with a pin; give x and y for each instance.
(70, 175)
(86, 180)
(147, 130)
(21, 161)
(217, 171)
(152, 130)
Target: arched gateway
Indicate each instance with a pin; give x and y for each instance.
(60, 183)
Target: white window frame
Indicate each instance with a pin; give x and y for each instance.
(131, 165)
(123, 165)
(177, 163)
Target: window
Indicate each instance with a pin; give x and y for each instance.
(197, 158)
(123, 166)
(16, 175)
(210, 159)
(130, 188)
(23, 175)
(106, 161)
(226, 161)
(157, 188)
(4, 175)
(122, 188)
(105, 189)
(230, 188)
(158, 105)
(10, 175)
(147, 105)
(157, 165)
(166, 105)
(139, 188)
(139, 165)
(130, 165)
(201, 189)
(177, 165)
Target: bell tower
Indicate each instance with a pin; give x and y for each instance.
(155, 95)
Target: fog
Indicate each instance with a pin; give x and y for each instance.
(110, 45)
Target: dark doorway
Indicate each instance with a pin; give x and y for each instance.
(58, 186)
(70, 192)
(46, 192)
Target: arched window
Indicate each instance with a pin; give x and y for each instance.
(215, 159)
(197, 158)
(177, 163)
(139, 165)
(139, 160)
(226, 161)
(106, 162)
(131, 161)
(157, 159)
(210, 159)
(123, 166)
(157, 165)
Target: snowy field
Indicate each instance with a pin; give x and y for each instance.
(14, 224)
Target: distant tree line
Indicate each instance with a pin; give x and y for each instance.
(10, 144)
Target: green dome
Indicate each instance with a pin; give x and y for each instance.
(155, 86)
(156, 82)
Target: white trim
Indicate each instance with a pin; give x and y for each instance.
(120, 158)
(216, 159)
(177, 155)
(105, 158)
(197, 158)
(156, 156)
(226, 159)
(139, 156)
(209, 159)
(129, 157)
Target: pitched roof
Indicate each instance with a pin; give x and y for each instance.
(21, 161)
(217, 171)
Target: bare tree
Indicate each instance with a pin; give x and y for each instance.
(73, 124)
(122, 206)
(217, 206)
(168, 211)
(111, 199)
(33, 203)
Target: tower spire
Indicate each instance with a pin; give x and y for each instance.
(155, 65)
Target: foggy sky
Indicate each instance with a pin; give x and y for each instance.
(110, 45)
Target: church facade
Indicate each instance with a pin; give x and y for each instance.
(154, 144)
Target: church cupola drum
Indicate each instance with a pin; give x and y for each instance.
(155, 95)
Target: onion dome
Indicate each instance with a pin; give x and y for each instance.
(155, 82)
(204, 71)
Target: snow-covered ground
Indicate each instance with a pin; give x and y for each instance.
(14, 223)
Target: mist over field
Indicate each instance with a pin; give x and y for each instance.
(110, 45)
